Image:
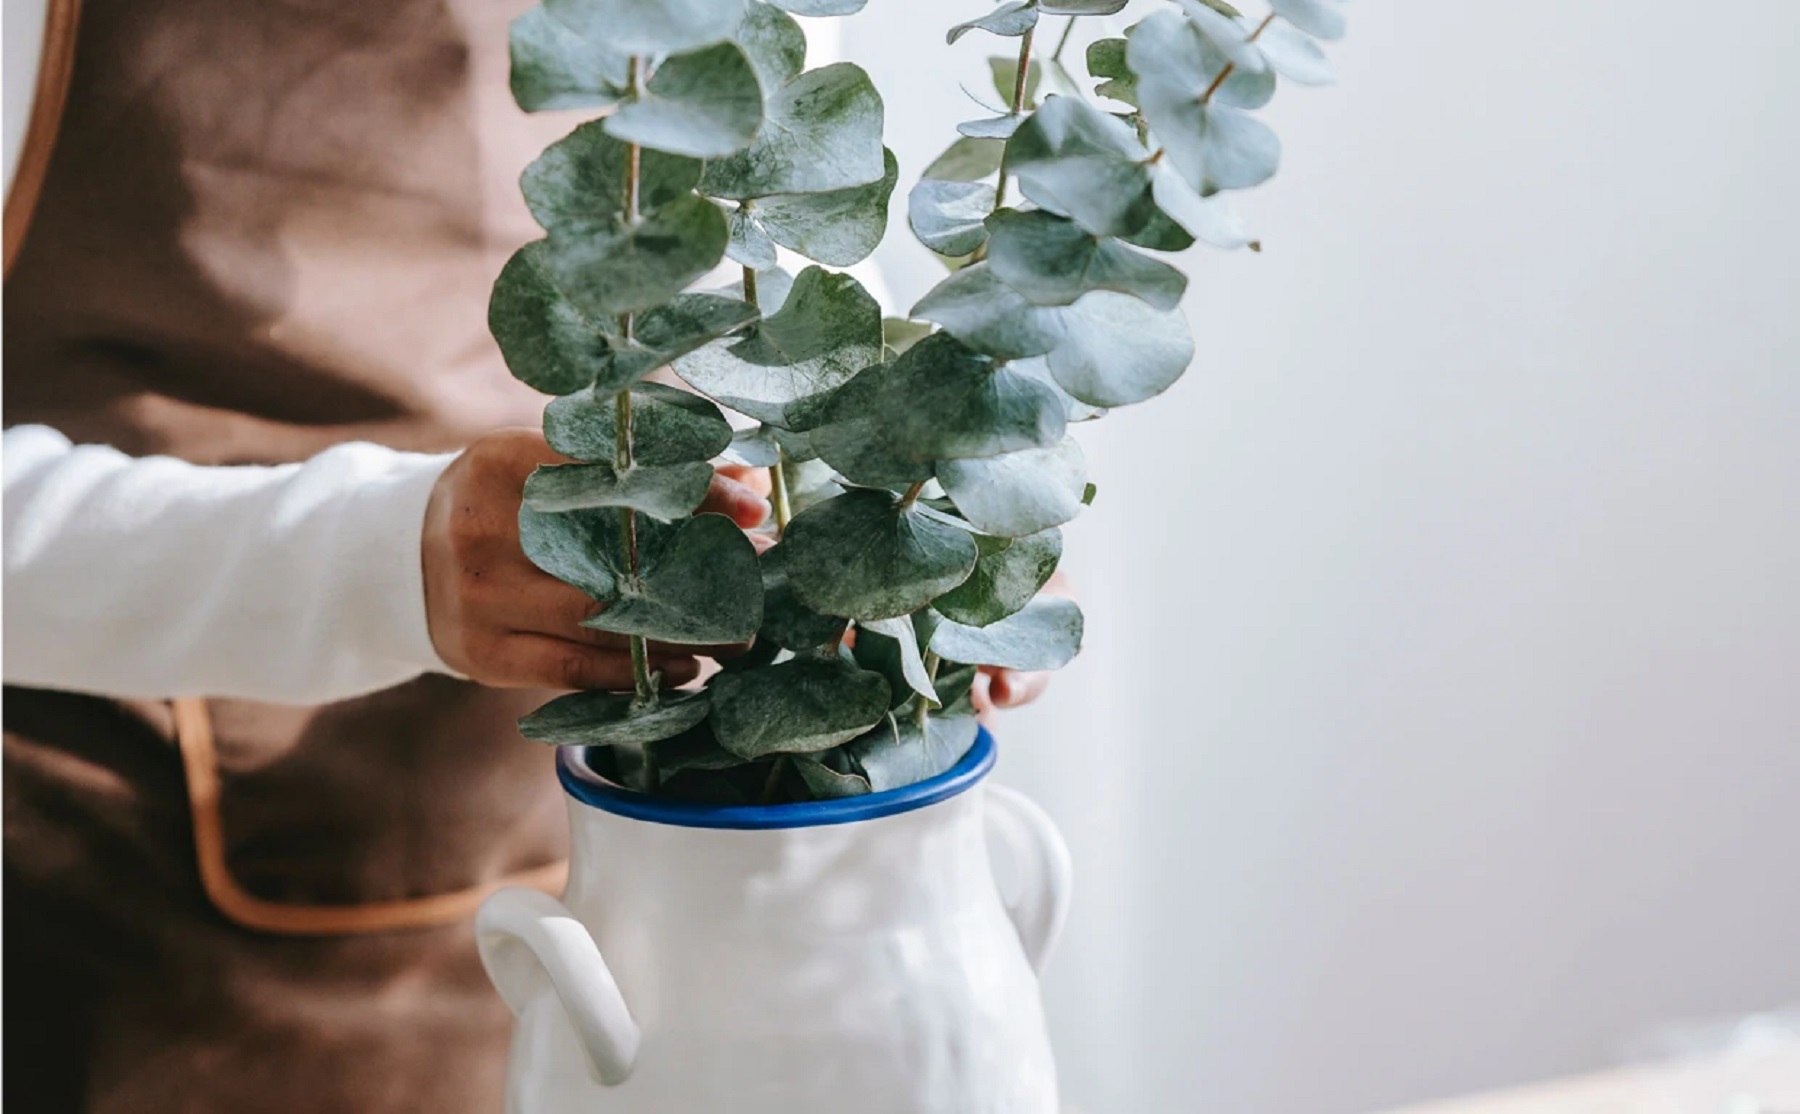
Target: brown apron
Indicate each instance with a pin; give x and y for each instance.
(267, 228)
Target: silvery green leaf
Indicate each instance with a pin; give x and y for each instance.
(649, 26)
(1322, 19)
(822, 7)
(827, 784)
(977, 308)
(1038, 368)
(853, 436)
(772, 287)
(1006, 75)
(1021, 493)
(821, 131)
(1171, 51)
(912, 662)
(866, 556)
(809, 482)
(786, 621)
(1116, 350)
(554, 68)
(1294, 56)
(1213, 145)
(1081, 7)
(898, 753)
(580, 179)
(1010, 19)
(828, 330)
(1160, 233)
(797, 445)
(694, 749)
(1052, 261)
(614, 267)
(1006, 578)
(669, 426)
(943, 400)
(1076, 160)
(668, 491)
(947, 216)
(704, 104)
(1106, 59)
(967, 160)
(1206, 218)
(1228, 34)
(582, 548)
(774, 43)
(749, 243)
(697, 583)
(547, 343)
(754, 447)
(1223, 8)
(838, 228)
(800, 706)
(1045, 634)
(995, 127)
(614, 718)
(664, 332)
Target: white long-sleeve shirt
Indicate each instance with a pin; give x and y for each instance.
(151, 577)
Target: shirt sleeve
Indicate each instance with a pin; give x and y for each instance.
(151, 577)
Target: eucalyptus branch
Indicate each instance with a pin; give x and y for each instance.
(1018, 108)
(1063, 42)
(640, 650)
(923, 712)
(778, 494)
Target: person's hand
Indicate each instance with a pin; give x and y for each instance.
(996, 687)
(498, 619)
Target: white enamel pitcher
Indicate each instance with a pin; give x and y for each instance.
(830, 957)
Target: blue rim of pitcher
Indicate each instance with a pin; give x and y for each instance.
(581, 782)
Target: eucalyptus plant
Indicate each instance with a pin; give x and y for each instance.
(921, 468)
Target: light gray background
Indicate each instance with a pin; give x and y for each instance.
(1440, 722)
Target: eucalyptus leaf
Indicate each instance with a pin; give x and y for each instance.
(1081, 7)
(821, 132)
(1010, 19)
(667, 492)
(944, 400)
(827, 331)
(704, 104)
(947, 216)
(1211, 144)
(821, 7)
(828, 784)
(1006, 578)
(1116, 350)
(774, 43)
(1160, 232)
(853, 437)
(585, 549)
(1005, 71)
(614, 718)
(616, 267)
(1226, 32)
(1206, 218)
(1019, 494)
(554, 68)
(912, 662)
(899, 753)
(839, 227)
(800, 706)
(865, 555)
(755, 447)
(1295, 57)
(1106, 59)
(547, 343)
(580, 179)
(1052, 261)
(1074, 410)
(669, 426)
(1171, 52)
(697, 583)
(1322, 19)
(786, 621)
(994, 127)
(974, 306)
(694, 749)
(650, 26)
(1076, 160)
(748, 242)
(967, 160)
(1044, 634)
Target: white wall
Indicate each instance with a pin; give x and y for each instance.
(1440, 723)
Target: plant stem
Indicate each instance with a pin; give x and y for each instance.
(778, 495)
(912, 495)
(1230, 66)
(1018, 107)
(640, 650)
(1068, 29)
(771, 786)
(924, 708)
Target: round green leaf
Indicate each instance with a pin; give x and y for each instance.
(993, 127)
(1052, 261)
(821, 7)
(1019, 494)
(1081, 7)
(554, 68)
(669, 426)
(1116, 350)
(748, 243)
(910, 662)
(1106, 59)
(1207, 218)
(704, 104)
(984, 313)
(1227, 33)
(839, 228)
(821, 131)
(967, 160)
(774, 43)
(582, 548)
(1045, 634)
(943, 400)
(609, 268)
(667, 492)
(828, 784)
(786, 621)
(947, 216)
(853, 437)
(1171, 51)
(614, 718)
(800, 706)
(1006, 578)
(1011, 19)
(698, 582)
(896, 752)
(650, 26)
(865, 556)
(1076, 160)
(580, 178)
(1295, 57)
(547, 343)
(828, 329)
(1322, 19)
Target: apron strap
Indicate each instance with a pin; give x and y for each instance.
(200, 765)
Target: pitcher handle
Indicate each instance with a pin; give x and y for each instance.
(530, 943)
(1030, 837)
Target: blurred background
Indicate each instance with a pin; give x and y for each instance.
(1443, 664)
